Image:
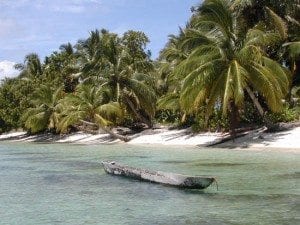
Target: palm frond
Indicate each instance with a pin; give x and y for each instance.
(278, 23)
(259, 37)
(267, 85)
(145, 95)
(36, 120)
(111, 111)
(293, 49)
(169, 101)
(194, 38)
(216, 13)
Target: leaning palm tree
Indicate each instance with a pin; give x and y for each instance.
(88, 106)
(43, 115)
(222, 66)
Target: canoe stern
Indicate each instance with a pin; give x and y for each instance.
(197, 182)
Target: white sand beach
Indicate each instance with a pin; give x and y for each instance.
(289, 139)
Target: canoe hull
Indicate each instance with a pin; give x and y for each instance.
(178, 180)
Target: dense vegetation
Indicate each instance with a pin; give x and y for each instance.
(236, 63)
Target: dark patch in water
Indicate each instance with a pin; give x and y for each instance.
(128, 156)
(77, 164)
(83, 165)
(77, 180)
(16, 168)
(295, 175)
(220, 164)
(253, 197)
(28, 153)
(31, 158)
(87, 193)
(201, 163)
(183, 220)
(175, 161)
(47, 171)
(55, 178)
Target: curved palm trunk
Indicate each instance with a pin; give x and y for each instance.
(107, 130)
(234, 118)
(118, 136)
(183, 118)
(259, 108)
(256, 102)
(137, 114)
(295, 64)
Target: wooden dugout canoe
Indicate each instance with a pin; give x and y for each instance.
(172, 179)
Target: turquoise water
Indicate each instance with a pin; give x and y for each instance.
(65, 184)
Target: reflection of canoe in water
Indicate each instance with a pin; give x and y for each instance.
(194, 182)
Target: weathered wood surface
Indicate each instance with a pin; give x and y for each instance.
(172, 179)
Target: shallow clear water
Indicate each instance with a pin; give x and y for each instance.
(65, 184)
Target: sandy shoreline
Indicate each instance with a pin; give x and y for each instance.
(289, 139)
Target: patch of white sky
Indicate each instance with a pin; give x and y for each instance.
(7, 69)
(41, 26)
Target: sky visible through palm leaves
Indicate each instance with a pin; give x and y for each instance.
(41, 26)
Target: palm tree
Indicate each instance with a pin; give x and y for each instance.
(170, 57)
(32, 67)
(254, 11)
(223, 65)
(43, 115)
(62, 68)
(89, 106)
(115, 64)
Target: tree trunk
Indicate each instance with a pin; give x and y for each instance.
(183, 118)
(137, 114)
(234, 117)
(118, 136)
(107, 130)
(294, 67)
(256, 102)
(259, 108)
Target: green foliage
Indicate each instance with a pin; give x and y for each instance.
(121, 65)
(249, 114)
(216, 70)
(287, 115)
(166, 116)
(14, 102)
(222, 62)
(216, 122)
(116, 79)
(88, 104)
(229, 53)
(32, 67)
(62, 67)
(43, 114)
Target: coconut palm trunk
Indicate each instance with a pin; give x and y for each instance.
(234, 118)
(255, 102)
(259, 108)
(107, 130)
(137, 114)
(113, 134)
